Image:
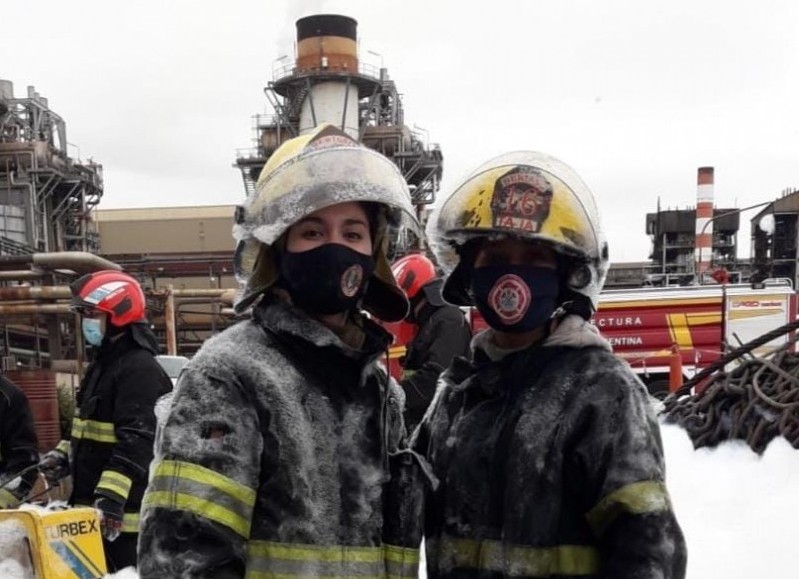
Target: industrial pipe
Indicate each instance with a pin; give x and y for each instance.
(27, 310)
(21, 274)
(169, 323)
(35, 292)
(78, 261)
(225, 295)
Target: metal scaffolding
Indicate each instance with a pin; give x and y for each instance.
(381, 121)
(47, 236)
(46, 197)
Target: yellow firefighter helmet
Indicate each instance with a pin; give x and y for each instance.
(322, 168)
(530, 196)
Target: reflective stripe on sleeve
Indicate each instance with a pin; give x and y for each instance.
(115, 482)
(93, 430)
(512, 560)
(130, 523)
(63, 445)
(202, 491)
(396, 352)
(267, 559)
(8, 500)
(636, 498)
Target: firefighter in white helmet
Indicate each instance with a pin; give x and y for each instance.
(546, 448)
(274, 458)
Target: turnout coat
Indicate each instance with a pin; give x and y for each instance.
(18, 444)
(114, 427)
(279, 458)
(550, 465)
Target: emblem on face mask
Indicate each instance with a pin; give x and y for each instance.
(351, 280)
(510, 298)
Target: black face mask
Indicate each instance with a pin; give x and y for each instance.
(515, 298)
(328, 279)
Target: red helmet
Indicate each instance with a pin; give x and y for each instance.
(112, 292)
(412, 272)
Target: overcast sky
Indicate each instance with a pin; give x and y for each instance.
(635, 95)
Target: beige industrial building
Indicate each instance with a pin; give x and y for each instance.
(185, 251)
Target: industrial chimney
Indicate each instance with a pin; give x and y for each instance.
(325, 83)
(703, 248)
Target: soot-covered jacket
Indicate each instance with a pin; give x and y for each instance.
(114, 429)
(443, 335)
(18, 444)
(550, 465)
(274, 459)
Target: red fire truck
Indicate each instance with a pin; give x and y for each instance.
(644, 325)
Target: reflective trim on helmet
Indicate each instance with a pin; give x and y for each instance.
(93, 430)
(637, 498)
(272, 559)
(512, 560)
(112, 292)
(203, 492)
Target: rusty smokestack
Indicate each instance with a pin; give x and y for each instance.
(327, 52)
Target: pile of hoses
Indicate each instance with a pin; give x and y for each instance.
(756, 401)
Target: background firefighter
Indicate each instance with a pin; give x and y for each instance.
(18, 445)
(275, 457)
(442, 334)
(548, 453)
(112, 433)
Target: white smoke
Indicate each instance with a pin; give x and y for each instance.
(288, 32)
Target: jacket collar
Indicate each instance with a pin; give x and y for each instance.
(571, 332)
(287, 322)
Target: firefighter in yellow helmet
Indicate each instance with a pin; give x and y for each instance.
(274, 459)
(547, 451)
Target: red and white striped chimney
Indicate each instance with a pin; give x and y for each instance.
(703, 248)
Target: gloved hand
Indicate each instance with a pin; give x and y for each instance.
(54, 466)
(111, 514)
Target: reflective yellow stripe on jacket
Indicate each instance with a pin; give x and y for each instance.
(513, 560)
(93, 430)
(202, 491)
(8, 500)
(266, 559)
(130, 521)
(115, 482)
(636, 498)
(396, 352)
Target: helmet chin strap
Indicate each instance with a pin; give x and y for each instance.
(113, 331)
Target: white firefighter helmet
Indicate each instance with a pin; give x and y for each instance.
(322, 168)
(530, 196)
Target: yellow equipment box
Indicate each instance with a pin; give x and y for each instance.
(45, 544)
